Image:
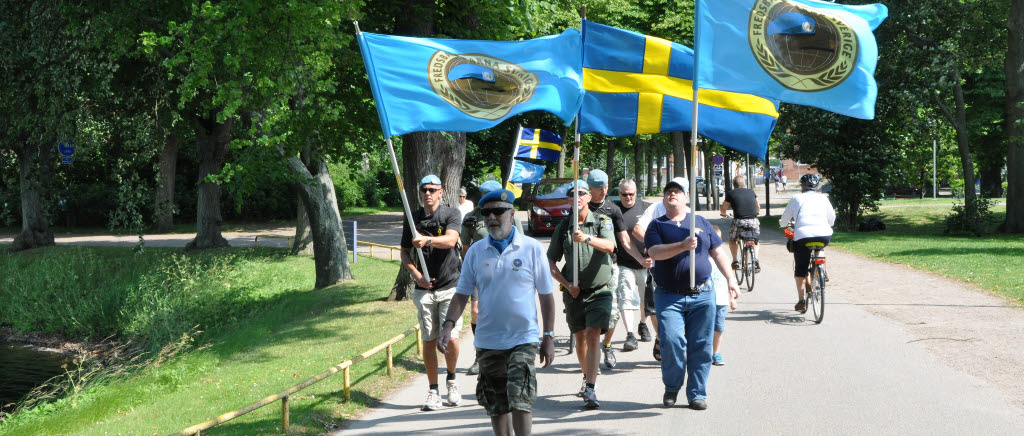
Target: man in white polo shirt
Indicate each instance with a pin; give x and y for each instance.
(509, 269)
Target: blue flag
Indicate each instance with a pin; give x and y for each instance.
(805, 52)
(641, 84)
(525, 172)
(422, 84)
(539, 144)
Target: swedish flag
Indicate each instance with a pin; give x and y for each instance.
(539, 144)
(642, 84)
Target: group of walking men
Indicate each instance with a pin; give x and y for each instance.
(505, 273)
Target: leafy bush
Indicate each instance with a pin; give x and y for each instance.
(964, 220)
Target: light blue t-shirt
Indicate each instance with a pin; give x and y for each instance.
(508, 283)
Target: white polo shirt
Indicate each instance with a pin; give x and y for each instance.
(508, 283)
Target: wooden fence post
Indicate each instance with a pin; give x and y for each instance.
(284, 414)
(348, 385)
(391, 365)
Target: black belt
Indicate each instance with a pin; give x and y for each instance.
(689, 292)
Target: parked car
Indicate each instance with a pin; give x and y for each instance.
(702, 187)
(547, 205)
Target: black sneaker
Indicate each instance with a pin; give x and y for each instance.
(669, 399)
(474, 369)
(631, 343)
(698, 404)
(657, 350)
(757, 266)
(645, 333)
(735, 265)
(609, 356)
(801, 306)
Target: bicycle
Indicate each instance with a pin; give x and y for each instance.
(814, 288)
(748, 260)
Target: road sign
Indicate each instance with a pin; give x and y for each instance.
(67, 151)
(718, 159)
(718, 171)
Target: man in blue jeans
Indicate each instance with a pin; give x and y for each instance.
(686, 311)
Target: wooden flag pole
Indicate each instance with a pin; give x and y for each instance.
(576, 206)
(408, 211)
(398, 174)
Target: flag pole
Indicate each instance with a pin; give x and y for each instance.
(576, 204)
(693, 157)
(394, 164)
(515, 150)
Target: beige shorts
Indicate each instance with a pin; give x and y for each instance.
(632, 284)
(431, 308)
(614, 285)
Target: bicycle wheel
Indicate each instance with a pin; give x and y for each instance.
(818, 289)
(739, 272)
(748, 266)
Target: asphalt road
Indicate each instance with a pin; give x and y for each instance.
(889, 358)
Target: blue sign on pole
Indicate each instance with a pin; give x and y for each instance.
(67, 151)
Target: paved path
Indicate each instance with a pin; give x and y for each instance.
(899, 352)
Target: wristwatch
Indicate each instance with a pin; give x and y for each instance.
(447, 321)
(587, 241)
(551, 334)
(429, 240)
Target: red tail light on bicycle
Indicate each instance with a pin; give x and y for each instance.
(751, 243)
(789, 233)
(819, 261)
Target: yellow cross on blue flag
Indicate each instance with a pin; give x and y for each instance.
(642, 84)
(539, 144)
(805, 52)
(424, 84)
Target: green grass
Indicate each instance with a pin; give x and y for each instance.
(294, 334)
(914, 236)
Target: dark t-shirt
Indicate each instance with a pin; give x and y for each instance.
(612, 211)
(743, 202)
(674, 272)
(630, 217)
(443, 264)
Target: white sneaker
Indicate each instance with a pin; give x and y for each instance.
(433, 400)
(454, 397)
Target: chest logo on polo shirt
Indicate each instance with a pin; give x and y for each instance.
(517, 264)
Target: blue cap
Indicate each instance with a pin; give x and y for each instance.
(497, 195)
(577, 185)
(489, 186)
(430, 179)
(597, 178)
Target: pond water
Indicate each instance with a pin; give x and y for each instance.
(23, 368)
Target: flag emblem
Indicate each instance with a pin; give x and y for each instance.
(803, 49)
(480, 86)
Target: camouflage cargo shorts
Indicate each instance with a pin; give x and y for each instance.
(507, 380)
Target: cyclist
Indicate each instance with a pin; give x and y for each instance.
(814, 217)
(745, 210)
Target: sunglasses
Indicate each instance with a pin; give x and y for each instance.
(582, 193)
(496, 211)
(429, 190)
(628, 194)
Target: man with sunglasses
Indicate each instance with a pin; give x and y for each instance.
(588, 306)
(686, 311)
(465, 206)
(508, 270)
(437, 232)
(474, 228)
(633, 274)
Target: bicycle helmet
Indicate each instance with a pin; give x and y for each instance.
(810, 181)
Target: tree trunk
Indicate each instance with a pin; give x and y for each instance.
(959, 121)
(679, 154)
(561, 161)
(638, 169)
(303, 237)
(609, 163)
(168, 165)
(35, 162)
(440, 153)
(212, 139)
(403, 286)
(329, 245)
(1015, 120)
(657, 166)
(991, 176)
(651, 186)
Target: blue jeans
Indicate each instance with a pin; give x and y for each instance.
(685, 328)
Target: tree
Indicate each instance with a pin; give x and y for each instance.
(1015, 119)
